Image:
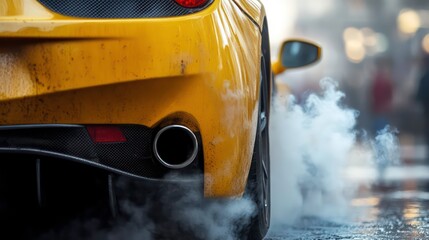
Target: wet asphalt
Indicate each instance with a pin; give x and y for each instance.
(396, 208)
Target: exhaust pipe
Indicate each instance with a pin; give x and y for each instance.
(175, 146)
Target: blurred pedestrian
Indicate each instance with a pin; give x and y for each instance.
(381, 95)
(423, 96)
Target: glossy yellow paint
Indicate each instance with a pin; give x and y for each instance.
(254, 9)
(58, 69)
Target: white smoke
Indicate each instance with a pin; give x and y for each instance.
(169, 211)
(310, 149)
(186, 211)
(386, 151)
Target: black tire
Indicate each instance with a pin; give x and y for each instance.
(258, 182)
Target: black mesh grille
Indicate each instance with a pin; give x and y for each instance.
(119, 8)
(134, 156)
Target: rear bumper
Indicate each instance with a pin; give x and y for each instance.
(133, 158)
(64, 70)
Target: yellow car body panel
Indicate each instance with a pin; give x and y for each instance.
(254, 9)
(56, 69)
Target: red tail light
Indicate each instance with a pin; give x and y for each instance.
(191, 3)
(105, 134)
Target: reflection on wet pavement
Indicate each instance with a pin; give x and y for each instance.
(396, 208)
(374, 218)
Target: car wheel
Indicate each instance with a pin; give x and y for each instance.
(258, 183)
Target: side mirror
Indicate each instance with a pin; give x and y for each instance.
(295, 54)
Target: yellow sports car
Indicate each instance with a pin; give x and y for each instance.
(140, 88)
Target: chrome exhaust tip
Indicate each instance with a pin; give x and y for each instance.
(175, 146)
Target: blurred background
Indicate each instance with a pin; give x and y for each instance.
(375, 50)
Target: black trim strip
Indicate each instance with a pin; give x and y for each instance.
(32, 126)
(90, 163)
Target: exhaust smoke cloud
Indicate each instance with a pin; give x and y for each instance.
(311, 145)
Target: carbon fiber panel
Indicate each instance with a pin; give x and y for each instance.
(133, 156)
(119, 8)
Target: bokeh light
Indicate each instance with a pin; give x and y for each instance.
(425, 43)
(370, 38)
(408, 21)
(354, 44)
(382, 43)
(355, 52)
(353, 34)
